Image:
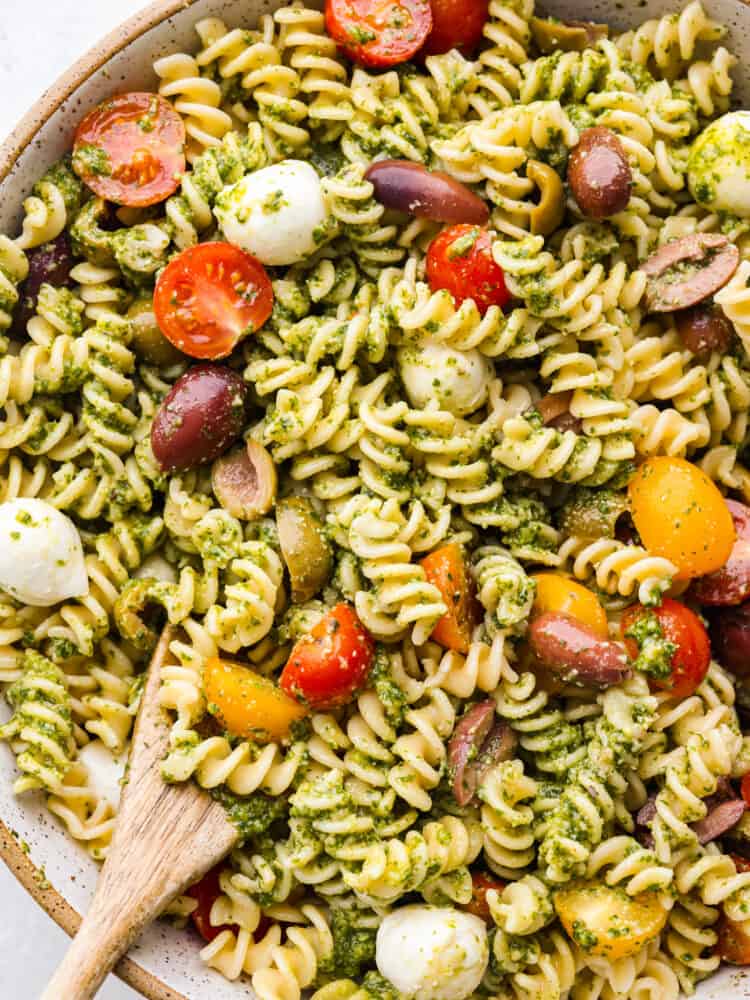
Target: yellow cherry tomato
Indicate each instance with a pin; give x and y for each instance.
(555, 592)
(604, 920)
(247, 704)
(681, 515)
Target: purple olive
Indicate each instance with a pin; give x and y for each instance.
(730, 637)
(200, 418)
(478, 742)
(49, 264)
(703, 330)
(410, 187)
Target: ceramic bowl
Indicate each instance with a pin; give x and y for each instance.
(164, 965)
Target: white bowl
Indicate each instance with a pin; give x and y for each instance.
(164, 965)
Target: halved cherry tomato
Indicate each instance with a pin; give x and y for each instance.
(379, 32)
(446, 569)
(681, 515)
(207, 891)
(460, 260)
(456, 24)
(615, 925)
(686, 631)
(733, 945)
(745, 792)
(247, 704)
(129, 149)
(330, 664)
(555, 592)
(209, 297)
(730, 584)
(481, 883)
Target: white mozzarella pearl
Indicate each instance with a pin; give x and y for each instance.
(719, 165)
(105, 771)
(41, 556)
(432, 952)
(274, 213)
(457, 380)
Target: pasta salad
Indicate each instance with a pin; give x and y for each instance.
(396, 356)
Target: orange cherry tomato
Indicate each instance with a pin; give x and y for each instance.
(616, 925)
(210, 297)
(446, 569)
(379, 33)
(129, 149)
(481, 883)
(456, 24)
(247, 704)
(555, 592)
(733, 945)
(460, 260)
(681, 515)
(327, 667)
(684, 629)
(207, 891)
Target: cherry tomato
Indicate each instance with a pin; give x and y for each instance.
(555, 592)
(330, 664)
(681, 515)
(460, 260)
(745, 792)
(445, 568)
(734, 941)
(207, 891)
(379, 32)
(615, 925)
(480, 884)
(456, 24)
(685, 630)
(247, 704)
(129, 149)
(209, 297)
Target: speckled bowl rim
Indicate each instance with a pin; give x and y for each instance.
(32, 878)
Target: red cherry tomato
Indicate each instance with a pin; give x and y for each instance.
(460, 260)
(745, 788)
(328, 666)
(129, 149)
(456, 24)
(680, 626)
(209, 297)
(733, 945)
(446, 569)
(480, 884)
(379, 32)
(730, 584)
(207, 891)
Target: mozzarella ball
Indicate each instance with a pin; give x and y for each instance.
(432, 952)
(457, 380)
(274, 213)
(105, 771)
(41, 556)
(719, 165)
(156, 567)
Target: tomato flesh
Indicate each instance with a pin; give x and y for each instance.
(129, 149)
(206, 892)
(460, 260)
(328, 666)
(445, 568)
(247, 704)
(456, 24)
(379, 33)
(209, 297)
(681, 627)
(733, 945)
(481, 883)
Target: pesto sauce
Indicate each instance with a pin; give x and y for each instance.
(251, 814)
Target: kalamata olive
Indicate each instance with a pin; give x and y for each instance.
(729, 629)
(575, 653)
(594, 513)
(410, 187)
(684, 272)
(740, 517)
(720, 819)
(49, 264)
(599, 174)
(731, 583)
(554, 411)
(244, 481)
(201, 416)
(478, 742)
(149, 342)
(704, 329)
(304, 547)
(566, 36)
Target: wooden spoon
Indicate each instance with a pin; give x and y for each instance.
(166, 838)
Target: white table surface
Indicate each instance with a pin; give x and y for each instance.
(38, 40)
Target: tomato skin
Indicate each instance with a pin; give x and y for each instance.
(681, 515)
(207, 891)
(247, 704)
(481, 883)
(681, 626)
(374, 32)
(129, 149)
(556, 592)
(456, 24)
(209, 297)
(329, 665)
(470, 274)
(733, 945)
(446, 569)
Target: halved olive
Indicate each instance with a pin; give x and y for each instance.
(551, 35)
(149, 342)
(304, 547)
(245, 482)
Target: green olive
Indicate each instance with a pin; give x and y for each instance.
(594, 513)
(567, 36)
(304, 547)
(549, 211)
(149, 342)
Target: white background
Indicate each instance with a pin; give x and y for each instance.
(38, 40)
